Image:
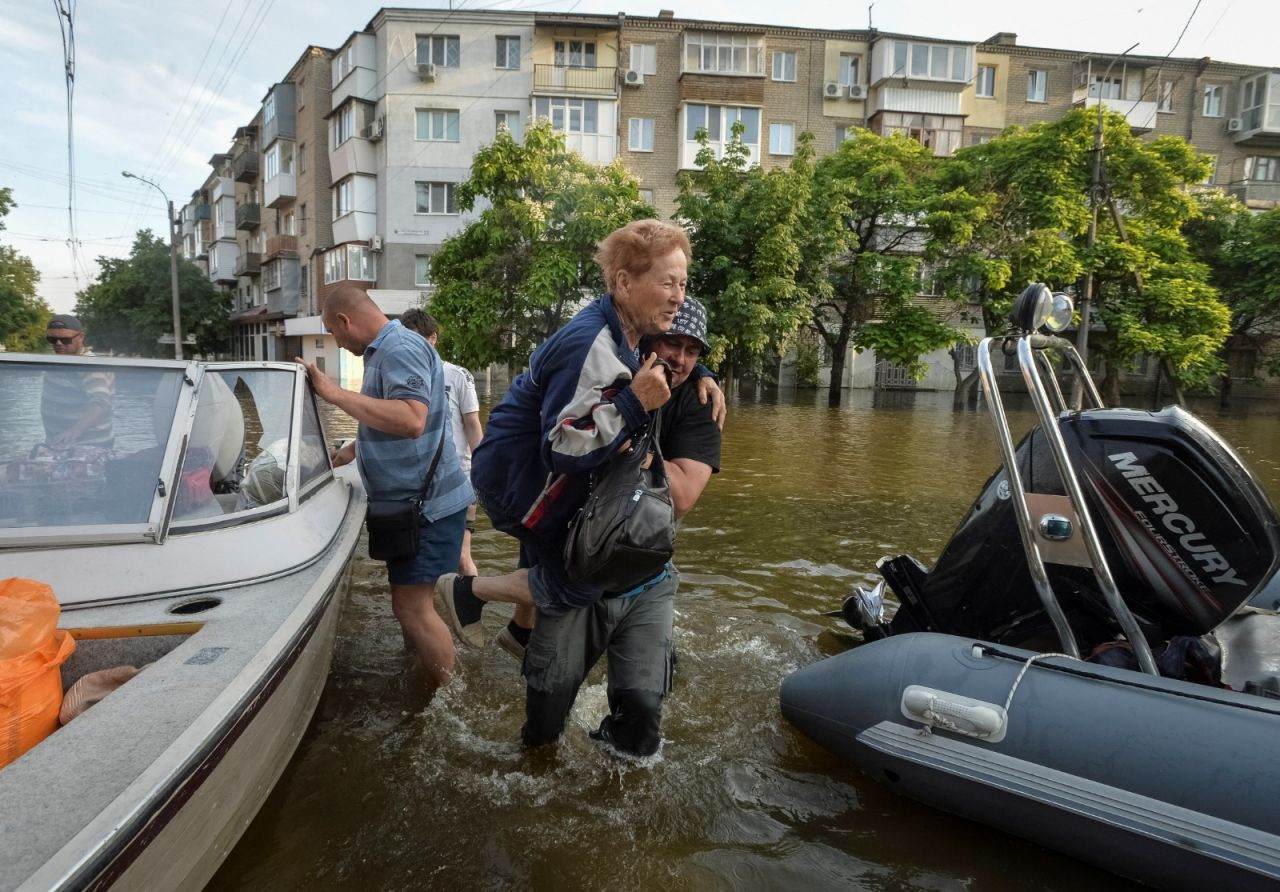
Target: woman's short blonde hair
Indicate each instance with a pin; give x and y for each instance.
(636, 246)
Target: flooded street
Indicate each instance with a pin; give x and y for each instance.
(389, 792)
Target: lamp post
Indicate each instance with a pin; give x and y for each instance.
(173, 263)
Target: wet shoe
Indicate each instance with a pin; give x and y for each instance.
(462, 609)
(507, 641)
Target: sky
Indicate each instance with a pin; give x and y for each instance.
(160, 86)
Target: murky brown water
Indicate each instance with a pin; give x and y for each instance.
(387, 794)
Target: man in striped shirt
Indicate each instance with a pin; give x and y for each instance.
(76, 404)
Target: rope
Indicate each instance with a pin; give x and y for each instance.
(1017, 681)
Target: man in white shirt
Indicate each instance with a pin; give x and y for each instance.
(464, 416)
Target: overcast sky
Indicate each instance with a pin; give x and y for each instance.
(161, 85)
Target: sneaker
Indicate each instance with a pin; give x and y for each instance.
(508, 642)
(462, 610)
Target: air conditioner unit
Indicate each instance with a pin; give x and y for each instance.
(857, 91)
(375, 130)
(832, 90)
(375, 243)
(426, 71)
(633, 78)
(1234, 125)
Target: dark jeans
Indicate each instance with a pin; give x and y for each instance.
(636, 632)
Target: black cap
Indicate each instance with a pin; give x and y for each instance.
(66, 321)
(691, 322)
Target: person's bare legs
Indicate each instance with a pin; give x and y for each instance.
(464, 598)
(466, 566)
(414, 608)
(510, 588)
(525, 616)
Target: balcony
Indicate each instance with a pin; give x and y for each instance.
(1140, 114)
(356, 155)
(282, 102)
(245, 166)
(1258, 124)
(249, 264)
(280, 189)
(249, 217)
(278, 245)
(1257, 194)
(223, 259)
(575, 81)
(202, 212)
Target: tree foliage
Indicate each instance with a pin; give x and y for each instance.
(519, 271)
(130, 305)
(746, 229)
(22, 313)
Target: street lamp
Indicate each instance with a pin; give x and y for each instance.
(173, 263)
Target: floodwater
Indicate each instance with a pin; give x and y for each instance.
(390, 792)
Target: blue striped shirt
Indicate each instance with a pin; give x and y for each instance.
(401, 365)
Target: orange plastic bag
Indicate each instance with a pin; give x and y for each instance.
(31, 652)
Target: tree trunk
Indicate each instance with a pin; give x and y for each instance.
(838, 355)
(964, 388)
(1178, 396)
(1224, 392)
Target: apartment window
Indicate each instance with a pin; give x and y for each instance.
(932, 61)
(1106, 87)
(510, 121)
(784, 65)
(640, 132)
(269, 108)
(940, 133)
(437, 125)
(723, 53)
(1262, 169)
(1256, 110)
(271, 275)
(1165, 102)
(343, 197)
(986, 83)
(279, 160)
(1212, 176)
(644, 58)
(349, 262)
(343, 125)
(508, 52)
(343, 63)
(441, 50)
(843, 132)
(436, 198)
(302, 93)
(302, 219)
(575, 54)
(1213, 97)
(422, 270)
(850, 65)
(569, 115)
(646, 195)
(718, 121)
(1037, 85)
(782, 139)
(288, 228)
(302, 157)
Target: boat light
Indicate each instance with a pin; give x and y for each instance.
(1062, 313)
(1055, 528)
(1039, 308)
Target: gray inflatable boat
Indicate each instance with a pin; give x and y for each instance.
(1093, 663)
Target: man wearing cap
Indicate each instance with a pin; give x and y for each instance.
(75, 405)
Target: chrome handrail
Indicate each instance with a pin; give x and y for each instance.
(1027, 350)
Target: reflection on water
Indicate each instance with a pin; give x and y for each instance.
(385, 793)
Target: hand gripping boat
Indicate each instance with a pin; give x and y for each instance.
(188, 520)
(1094, 661)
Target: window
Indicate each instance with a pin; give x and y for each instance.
(1262, 168)
(422, 270)
(784, 66)
(641, 134)
(723, 53)
(575, 54)
(782, 139)
(343, 195)
(1259, 110)
(438, 125)
(349, 262)
(1213, 97)
(644, 58)
(569, 115)
(646, 195)
(843, 132)
(441, 50)
(986, 83)
(269, 108)
(343, 63)
(1106, 87)
(849, 69)
(719, 120)
(271, 275)
(1242, 363)
(279, 160)
(511, 121)
(941, 133)
(302, 157)
(288, 229)
(932, 61)
(343, 125)
(1037, 83)
(436, 198)
(508, 52)
(1165, 102)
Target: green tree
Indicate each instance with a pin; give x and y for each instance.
(878, 213)
(1151, 294)
(22, 314)
(130, 305)
(524, 266)
(746, 226)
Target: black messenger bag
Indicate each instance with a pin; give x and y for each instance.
(393, 525)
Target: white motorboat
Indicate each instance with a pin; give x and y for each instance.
(196, 530)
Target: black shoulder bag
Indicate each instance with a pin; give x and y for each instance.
(626, 531)
(393, 526)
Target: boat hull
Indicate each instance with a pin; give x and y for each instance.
(1163, 781)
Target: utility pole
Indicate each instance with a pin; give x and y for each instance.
(173, 263)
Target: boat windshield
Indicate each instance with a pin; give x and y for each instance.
(82, 443)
